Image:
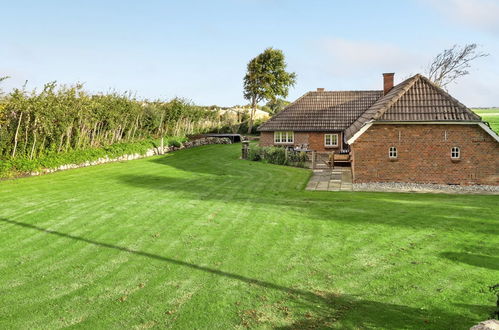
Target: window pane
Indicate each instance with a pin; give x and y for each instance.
(331, 140)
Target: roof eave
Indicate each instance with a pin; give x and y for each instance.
(450, 122)
(480, 123)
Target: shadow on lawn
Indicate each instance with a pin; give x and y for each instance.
(321, 309)
(473, 259)
(405, 210)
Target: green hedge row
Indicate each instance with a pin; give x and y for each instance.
(16, 166)
(277, 155)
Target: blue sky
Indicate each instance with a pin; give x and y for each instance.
(199, 49)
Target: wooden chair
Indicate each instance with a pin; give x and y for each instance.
(330, 161)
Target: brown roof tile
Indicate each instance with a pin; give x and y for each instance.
(322, 111)
(415, 99)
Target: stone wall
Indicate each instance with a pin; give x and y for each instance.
(424, 155)
(148, 153)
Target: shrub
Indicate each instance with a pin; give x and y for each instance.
(52, 159)
(297, 158)
(243, 128)
(255, 153)
(175, 141)
(278, 156)
(275, 155)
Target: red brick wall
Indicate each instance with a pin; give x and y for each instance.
(315, 140)
(424, 155)
(266, 139)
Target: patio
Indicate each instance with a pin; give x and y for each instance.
(326, 179)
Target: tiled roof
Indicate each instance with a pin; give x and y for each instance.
(415, 99)
(323, 111)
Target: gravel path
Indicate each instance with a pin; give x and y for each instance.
(426, 188)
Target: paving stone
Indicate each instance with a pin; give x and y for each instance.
(339, 179)
(311, 186)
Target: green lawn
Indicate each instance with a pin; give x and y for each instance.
(201, 239)
(491, 115)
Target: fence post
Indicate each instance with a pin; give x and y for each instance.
(245, 149)
(313, 159)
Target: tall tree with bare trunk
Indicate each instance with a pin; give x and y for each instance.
(453, 63)
(266, 79)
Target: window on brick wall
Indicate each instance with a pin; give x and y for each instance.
(331, 140)
(455, 153)
(392, 152)
(284, 137)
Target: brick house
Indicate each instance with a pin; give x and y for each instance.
(411, 132)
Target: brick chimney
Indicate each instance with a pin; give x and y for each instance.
(387, 82)
(320, 89)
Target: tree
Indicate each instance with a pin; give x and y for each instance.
(1, 107)
(2, 79)
(275, 106)
(453, 63)
(266, 79)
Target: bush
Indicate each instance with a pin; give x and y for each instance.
(255, 153)
(275, 155)
(243, 129)
(297, 158)
(278, 156)
(176, 141)
(52, 159)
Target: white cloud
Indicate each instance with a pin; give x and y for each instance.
(479, 14)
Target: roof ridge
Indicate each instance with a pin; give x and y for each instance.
(348, 90)
(392, 100)
(368, 115)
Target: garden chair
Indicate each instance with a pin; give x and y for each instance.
(330, 161)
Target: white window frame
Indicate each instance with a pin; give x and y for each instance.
(392, 153)
(284, 137)
(455, 153)
(330, 135)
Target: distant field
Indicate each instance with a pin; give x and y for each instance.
(491, 115)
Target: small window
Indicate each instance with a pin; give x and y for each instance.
(331, 140)
(392, 152)
(455, 153)
(283, 137)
